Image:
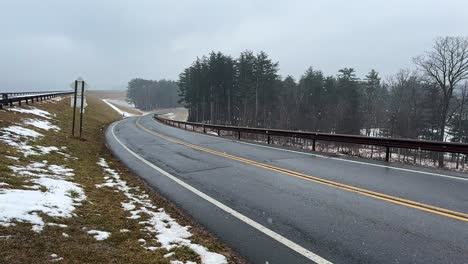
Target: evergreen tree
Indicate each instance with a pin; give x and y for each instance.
(349, 121)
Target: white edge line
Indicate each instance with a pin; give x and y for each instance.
(288, 243)
(333, 158)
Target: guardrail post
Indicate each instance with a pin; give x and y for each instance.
(238, 135)
(204, 129)
(185, 126)
(313, 144)
(218, 132)
(387, 153)
(268, 138)
(4, 96)
(4, 100)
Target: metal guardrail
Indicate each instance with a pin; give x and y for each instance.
(8, 99)
(388, 143)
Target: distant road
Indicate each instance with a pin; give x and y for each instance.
(280, 206)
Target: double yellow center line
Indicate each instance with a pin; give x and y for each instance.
(380, 196)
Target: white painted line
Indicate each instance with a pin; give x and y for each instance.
(339, 159)
(288, 243)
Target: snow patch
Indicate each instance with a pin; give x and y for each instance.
(42, 124)
(21, 131)
(18, 137)
(122, 113)
(165, 229)
(50, 194)
(99, 235)
(24, 205)
(59, 225)
(169, 116)
(55, 258)
(168, 255)
(56, 99)
(47, 189)
(33, 111)
(13, 158)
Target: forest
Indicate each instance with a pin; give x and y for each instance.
(149, 94)
(429, 102)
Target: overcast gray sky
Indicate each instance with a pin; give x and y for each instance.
(46, 44)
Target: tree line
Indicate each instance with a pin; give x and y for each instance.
(428, 103)
(149, 94)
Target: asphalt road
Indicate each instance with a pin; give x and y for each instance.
(277, 206)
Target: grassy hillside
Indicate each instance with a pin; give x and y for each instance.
(100, 207)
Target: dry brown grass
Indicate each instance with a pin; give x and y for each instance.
(101, 210)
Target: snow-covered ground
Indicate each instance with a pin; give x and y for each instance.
(46, 188)
(33, 111)
(122, 113)
(42, 124)
(169, 116)
(178, 113)
(165, 230)
(20, 138)
(121, 102)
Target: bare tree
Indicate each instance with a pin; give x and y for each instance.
(463, 101)
(446, 64)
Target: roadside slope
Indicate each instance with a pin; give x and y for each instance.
(100, 212)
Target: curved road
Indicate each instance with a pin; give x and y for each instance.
(279, 206)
